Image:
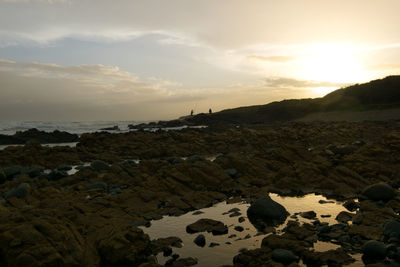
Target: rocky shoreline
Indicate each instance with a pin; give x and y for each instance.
(90, 218)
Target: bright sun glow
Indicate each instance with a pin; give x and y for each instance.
(336, 63)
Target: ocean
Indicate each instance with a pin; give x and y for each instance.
(77, 127)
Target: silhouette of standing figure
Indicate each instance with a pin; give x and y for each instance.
(191, 112)
(210, 111)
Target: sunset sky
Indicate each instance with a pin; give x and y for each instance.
(144, 60)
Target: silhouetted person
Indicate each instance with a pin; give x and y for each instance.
(210, 111)
(191, 112)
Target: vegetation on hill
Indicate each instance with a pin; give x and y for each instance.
(377, 94)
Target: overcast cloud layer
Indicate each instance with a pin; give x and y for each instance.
(103, 60)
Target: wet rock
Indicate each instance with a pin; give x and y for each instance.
(235, 214)
(200, 240)
(379, 191)
(344, 217)
(20, 192)
(197, 212)
(326, 216)
(99, 165)
(392, 229)
(46, 137)
(325, 201)
(209, 225)
(12, 172)
(239, 228)
(308, 214)
(265, 211)
(374, 250)
(351, 205)
(284, 256)
(101, 186)
(213, 244)
(241, 219)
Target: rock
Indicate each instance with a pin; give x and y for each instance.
(46, 137)
(2, 177)
(326, 216)
(130, 247)
(113, 128)
(99, 165)
(102, 186)
(239, 228)
(194, 158)
(213, 244)
(336, 257)
(284, 256)
(209, 225)
(351, 205)
(12, 172)
(181, 262)
(241, 219)
(56, 175)
(21, 191)
(33, 171)
(392, 229)
(200, 240)
(374, 250)
(164, 244)
(175, 160)
(325, 201)
(265, 211)
(197, 212)
(235, 214)
(308, 214)
(233, 173)
(64, 168)
(344, 217)
(379, 191)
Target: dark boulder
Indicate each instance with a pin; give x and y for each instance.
(101, 186)
(2, 177)
(200, 240)
(379, 191)
(351, 205)
(374, 250)
(266, 212)
(308, 214)
(284, 256)
(33, 171)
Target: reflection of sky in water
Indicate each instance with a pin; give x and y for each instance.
(224, 253)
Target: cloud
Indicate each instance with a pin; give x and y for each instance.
(279, 59)
(279, 82)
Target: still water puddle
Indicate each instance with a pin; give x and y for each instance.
(230, 244)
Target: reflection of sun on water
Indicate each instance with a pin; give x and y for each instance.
(334, 63)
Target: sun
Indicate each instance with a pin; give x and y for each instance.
(336, 63)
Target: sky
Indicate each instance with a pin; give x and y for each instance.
(159, 59)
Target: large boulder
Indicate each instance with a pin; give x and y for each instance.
(284, 256)
(379, 191)
(266, 212)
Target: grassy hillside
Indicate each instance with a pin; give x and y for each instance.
(377, 94)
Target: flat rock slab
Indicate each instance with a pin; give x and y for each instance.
(207, 225)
